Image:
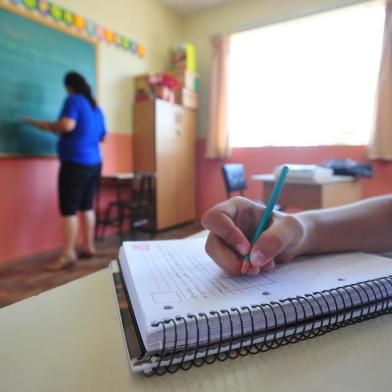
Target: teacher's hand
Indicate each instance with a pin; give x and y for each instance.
(28, 120)
(35, 123)
(232, 225)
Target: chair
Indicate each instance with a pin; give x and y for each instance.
(235, 181)
(135, 204)
(234, 177)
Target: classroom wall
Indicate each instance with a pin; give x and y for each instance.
(28, 201)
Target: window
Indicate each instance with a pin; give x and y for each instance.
(306, 82)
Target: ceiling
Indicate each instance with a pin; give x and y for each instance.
(188, 7)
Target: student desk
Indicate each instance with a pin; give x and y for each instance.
(70, 339)
(116, 181)
(307, 195)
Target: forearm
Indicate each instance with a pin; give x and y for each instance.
(54, 127)
(363, 226)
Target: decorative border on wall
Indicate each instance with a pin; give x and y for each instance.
(69, 19)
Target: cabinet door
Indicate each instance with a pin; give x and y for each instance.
(144, 136)
(186, 167)
(167, 143)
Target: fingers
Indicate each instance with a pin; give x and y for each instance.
(220, 221)
(269, 266)
(284, 233)
(223, 255)
(228, 259)
(231, 222)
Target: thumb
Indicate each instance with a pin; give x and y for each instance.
(282, 233)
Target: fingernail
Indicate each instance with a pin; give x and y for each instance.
(253, 270)
(244, 268)
(242, 249)
(258, 259)
(269, 266)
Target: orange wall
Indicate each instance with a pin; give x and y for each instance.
(28, 207)
(210, 186)
(28, 200)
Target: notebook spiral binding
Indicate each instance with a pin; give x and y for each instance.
(375, 299)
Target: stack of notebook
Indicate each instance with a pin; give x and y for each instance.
(308, 174)
(184, 310)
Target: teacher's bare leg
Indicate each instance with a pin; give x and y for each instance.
(70, 232)
(88, 231)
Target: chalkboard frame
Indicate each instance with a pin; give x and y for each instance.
(66, 30)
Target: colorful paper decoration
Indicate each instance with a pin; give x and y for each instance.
(56, 12)
(117, 39)
(125, 43)
(30, 4)
(140, 50)
(100, 32)
(68, 18)
(43, 7)
(84, 25)
(79, 22)
(91, 28)
(133, 47)
(108, 36)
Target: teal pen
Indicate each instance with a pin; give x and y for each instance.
(266, 215)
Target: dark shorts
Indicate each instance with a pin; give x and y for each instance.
(77, 186)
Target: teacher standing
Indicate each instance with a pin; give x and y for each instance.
(81, 128)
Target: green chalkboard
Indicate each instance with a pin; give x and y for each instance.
(33, 60)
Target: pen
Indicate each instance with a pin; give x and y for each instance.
(266, 215)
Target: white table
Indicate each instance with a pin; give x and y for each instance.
(70, 339)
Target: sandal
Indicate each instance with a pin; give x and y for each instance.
(85, 254)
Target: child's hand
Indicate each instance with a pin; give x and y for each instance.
(232, 225)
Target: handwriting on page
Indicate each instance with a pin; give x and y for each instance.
(179, 271)
(182, 274)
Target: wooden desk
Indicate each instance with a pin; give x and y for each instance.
(307, 195)
(70, 339)
(117, 181)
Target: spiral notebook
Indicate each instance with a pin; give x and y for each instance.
(186, 311)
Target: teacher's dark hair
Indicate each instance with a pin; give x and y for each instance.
(78, 83)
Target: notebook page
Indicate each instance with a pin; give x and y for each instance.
(177, 277)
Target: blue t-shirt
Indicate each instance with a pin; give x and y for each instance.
(82, 144)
